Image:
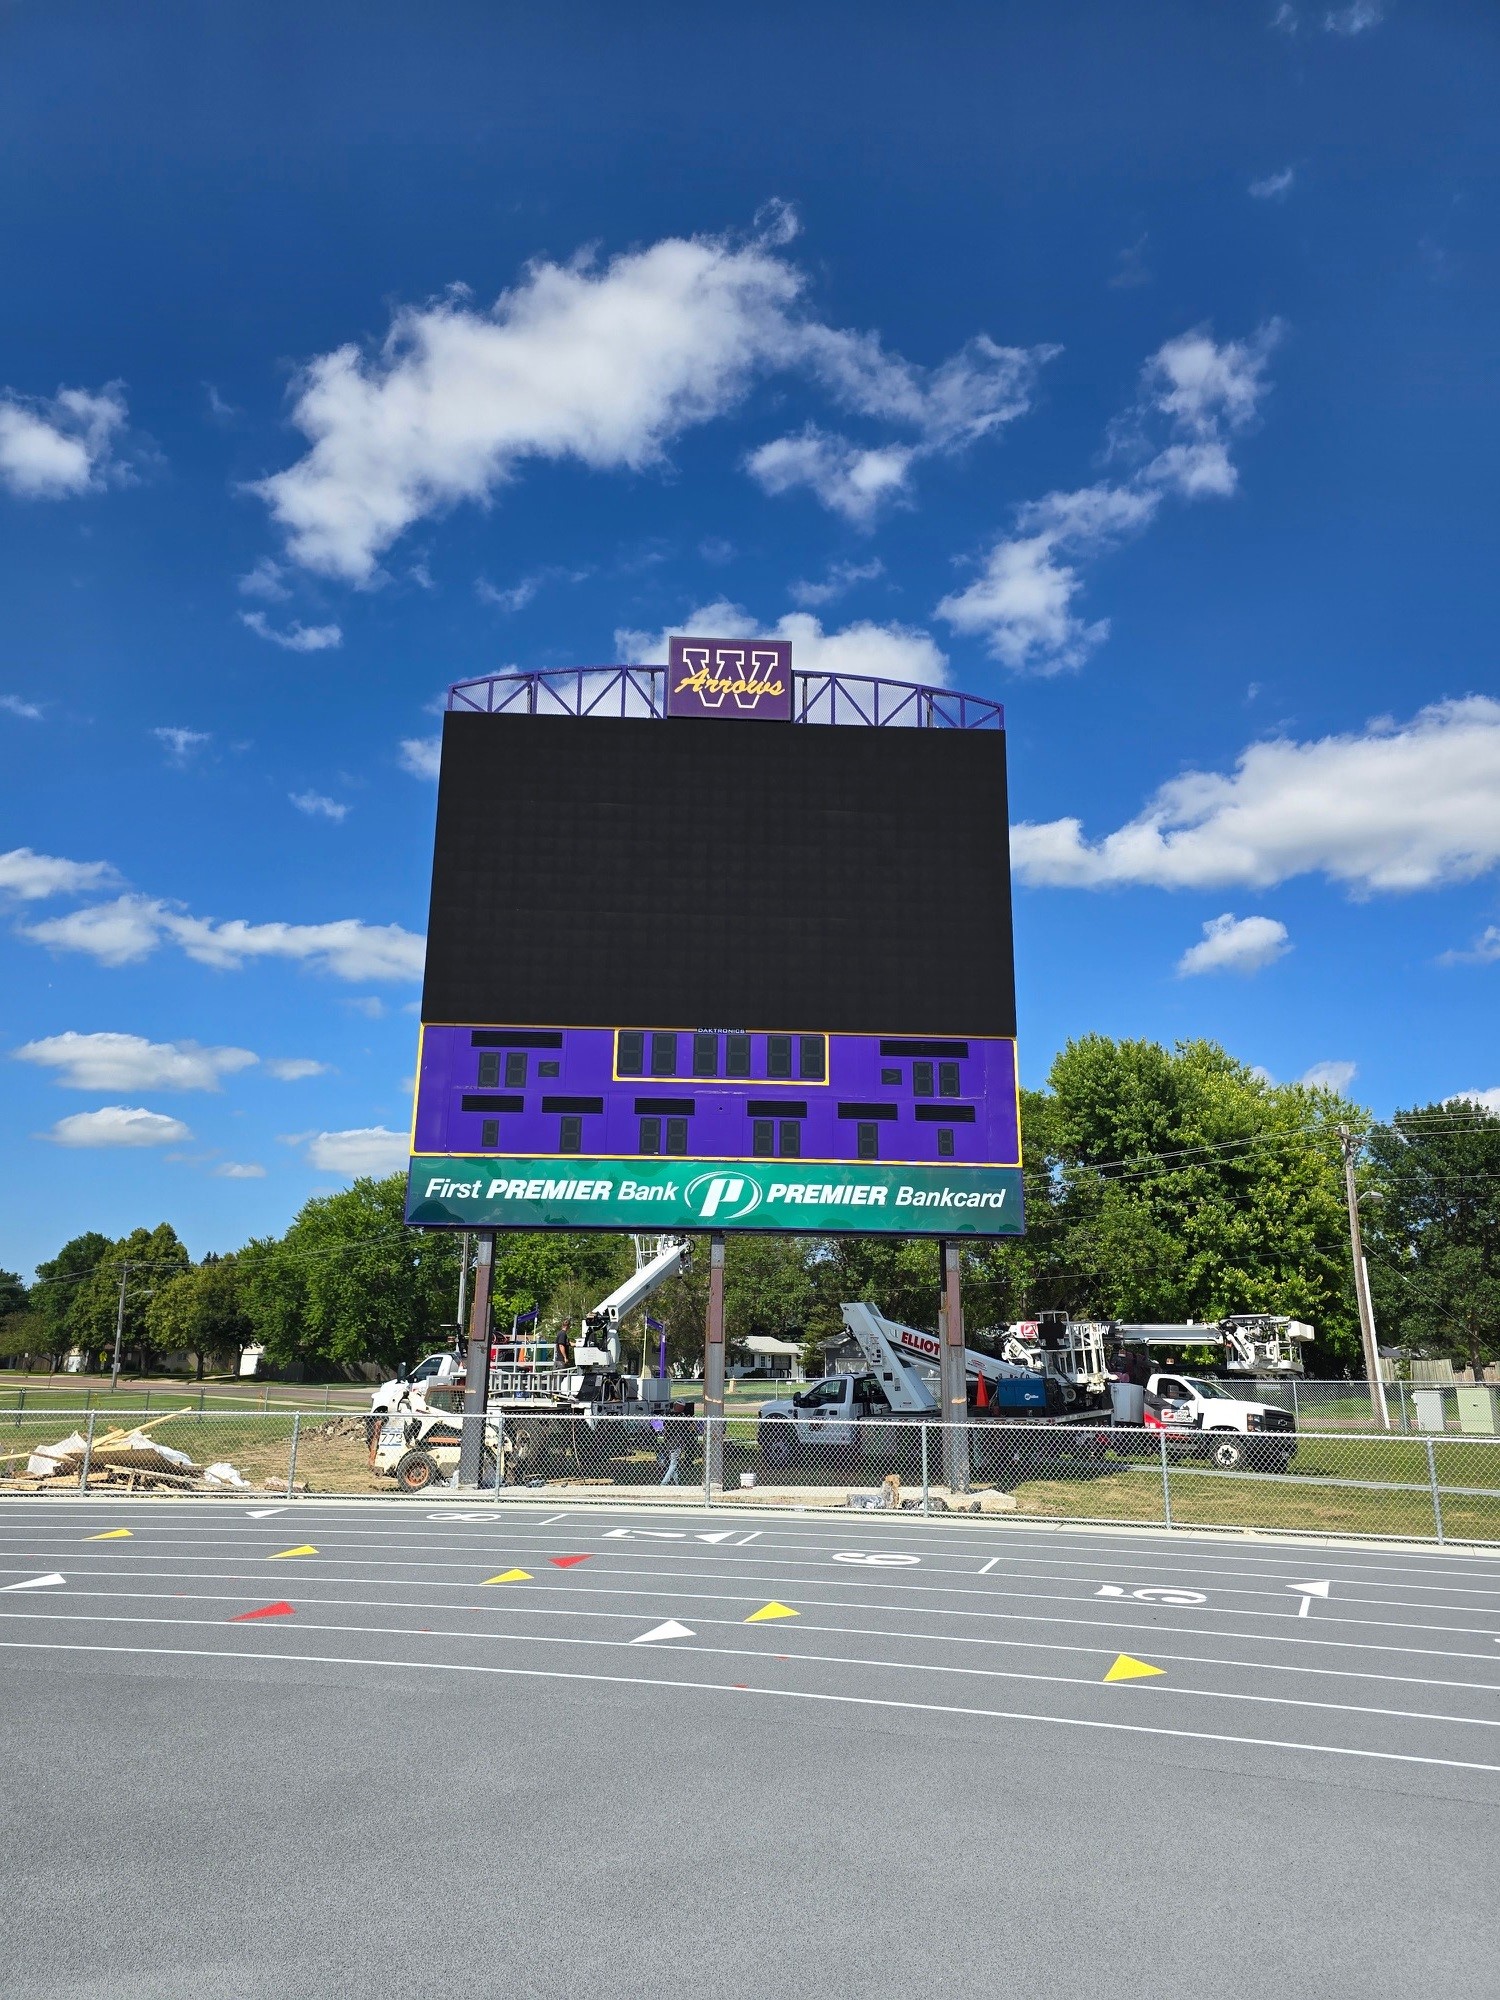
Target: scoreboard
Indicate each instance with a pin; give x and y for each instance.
(718, 968)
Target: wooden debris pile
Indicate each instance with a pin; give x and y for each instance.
(126, 1459)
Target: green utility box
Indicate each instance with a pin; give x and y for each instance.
(1476, 1409)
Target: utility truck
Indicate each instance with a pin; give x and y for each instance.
(548, 1393)
(898, 1383)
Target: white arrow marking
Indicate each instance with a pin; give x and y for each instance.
(722, 1535)
(35, 1582)
(1319, 1589)
(265, 1513)
(645, 1534)
(670, 1630)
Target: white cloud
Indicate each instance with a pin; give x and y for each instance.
(130, 1062)
(849, 479)
(972, 394)
(293, 1069)
(180, 744)
(368, 1004)
(1401, 806)
(369, 1149)
(297, 638)
(1235, 944)
(881, 652)
(1354, 19)
(604, 364)
(1487, 1100)
(421, 755)
(1274, 187)
(132, 927)
(32, 876)
(1335, 1076)
(1485, 950)
(265, 581)
(119, 1125)
(27, 711)
(1285, 18)
(842, 577)
(316, 806)
(1195, 394)
(51, 450)
(237, 1170)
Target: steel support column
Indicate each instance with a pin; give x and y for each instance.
(713, 1368)
(477, 1369)
(954, 1378)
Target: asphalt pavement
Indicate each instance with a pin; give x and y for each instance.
(359, 1748)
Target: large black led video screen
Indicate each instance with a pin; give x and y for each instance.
(633, 872)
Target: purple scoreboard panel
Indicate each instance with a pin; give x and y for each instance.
(685, 974)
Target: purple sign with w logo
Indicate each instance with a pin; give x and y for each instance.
(730, 677)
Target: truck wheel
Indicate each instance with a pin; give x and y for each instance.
(416, 1471)
(1228, 1454)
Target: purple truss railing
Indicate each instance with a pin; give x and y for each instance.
(837, 698)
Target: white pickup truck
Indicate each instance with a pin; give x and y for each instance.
(1204, 1419)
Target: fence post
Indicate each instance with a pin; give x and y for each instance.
(1166, 1484)
(1295, 1412)
(291, 1470)
(265, 1399)
(20, 1405)
(708, 1497)
(1405, 1426)
(88, 1456)
(926, 1499)
(1432, 1481)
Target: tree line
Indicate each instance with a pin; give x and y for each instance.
(1160, 1184)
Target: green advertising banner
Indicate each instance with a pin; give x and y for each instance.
(805, 1199)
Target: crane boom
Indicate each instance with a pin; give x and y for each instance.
(600, 1343)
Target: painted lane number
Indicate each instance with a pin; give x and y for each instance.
(876, 1561)
(1153, 1594)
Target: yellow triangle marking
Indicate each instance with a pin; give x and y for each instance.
(511, 1576)
(109, 1535)
(1127, 1669)
(772, 1610)
(306, 1549)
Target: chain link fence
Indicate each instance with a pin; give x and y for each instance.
(1432, 1487)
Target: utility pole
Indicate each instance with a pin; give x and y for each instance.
(114, 1373)
(463, 1287)
(1362, 1284)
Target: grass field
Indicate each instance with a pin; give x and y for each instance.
(1338, 1482)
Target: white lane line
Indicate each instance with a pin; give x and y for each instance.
(514, 1608)
(679, 1567)
(572, 1586)
(1274, 1593)
(551, 1518)
(775, 1694)
(1159, 1558)
(672, 1629)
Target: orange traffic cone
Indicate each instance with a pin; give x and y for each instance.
(982, 1396)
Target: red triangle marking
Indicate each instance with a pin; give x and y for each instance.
(265, 1611)
(566, 1562)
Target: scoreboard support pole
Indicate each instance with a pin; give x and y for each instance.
(954, 1379)
(477, 1370)
(713, 1368)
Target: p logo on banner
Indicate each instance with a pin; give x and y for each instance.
(730, 677)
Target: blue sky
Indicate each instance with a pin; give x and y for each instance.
(1134, 364)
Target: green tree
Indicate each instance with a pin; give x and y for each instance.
(145, 1260)
(1185, 1186)
(201, 1311)
(59, 1284)
(1433, 1240)
(349, 1283)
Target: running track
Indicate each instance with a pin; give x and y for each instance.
(922, 1783)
